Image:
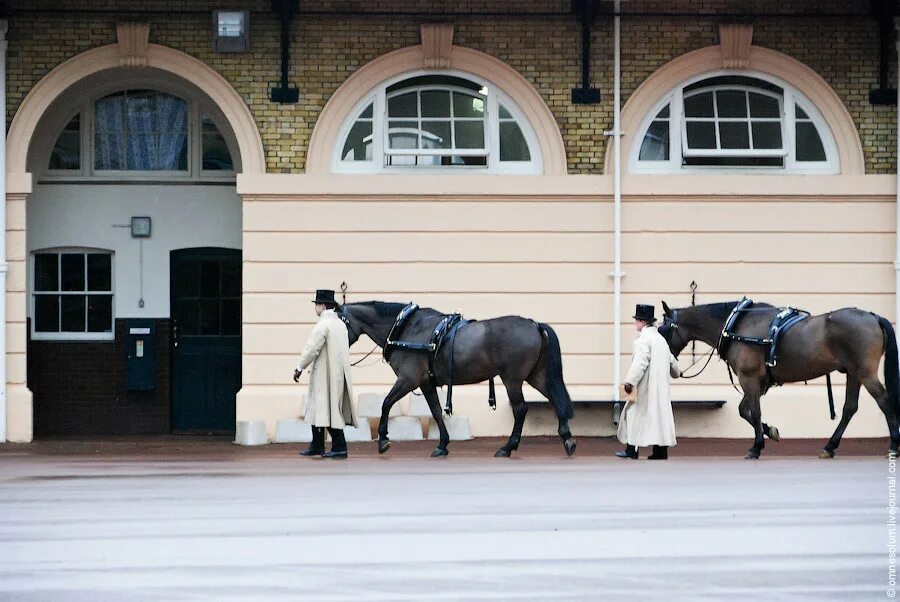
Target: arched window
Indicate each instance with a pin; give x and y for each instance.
(734, 122)
(437, 122)
(141, 134)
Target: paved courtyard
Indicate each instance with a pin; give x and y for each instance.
(247, 525)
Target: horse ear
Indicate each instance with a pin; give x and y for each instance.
(666, 310)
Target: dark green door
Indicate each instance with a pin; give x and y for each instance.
(206, 335)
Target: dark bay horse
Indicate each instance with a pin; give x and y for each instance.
(514, 348)
(848, 340)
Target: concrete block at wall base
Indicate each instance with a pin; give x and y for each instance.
(418, 407)
(457, 428)
(251, 432)
(293, 431)
(369, 406)
(405, 428)
(359, 433)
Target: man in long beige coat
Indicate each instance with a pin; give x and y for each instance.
(329, 400)
(648, 420)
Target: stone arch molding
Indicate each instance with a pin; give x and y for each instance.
(761, 60)
(55, 83)
(416, 58)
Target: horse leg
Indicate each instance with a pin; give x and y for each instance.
(877, 390)
(400, 388)
(517, 401)
(751, 412)
(851, 403)
(434, 404)
(564, 432)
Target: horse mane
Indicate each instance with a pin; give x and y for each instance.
(721, 311)
(388, 309)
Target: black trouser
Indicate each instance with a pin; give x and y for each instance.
(338, 442)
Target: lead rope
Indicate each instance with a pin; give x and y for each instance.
(359, 361)
(708, 357)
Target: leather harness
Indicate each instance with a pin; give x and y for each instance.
(444, 333)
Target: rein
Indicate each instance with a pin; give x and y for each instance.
(708, 356)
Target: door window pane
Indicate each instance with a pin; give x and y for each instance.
(209, 316)
(231, 317)
(189, 317)
(209, 279)
(231, 279)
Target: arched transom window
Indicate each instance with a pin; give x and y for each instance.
(735, 122)
(437, 122)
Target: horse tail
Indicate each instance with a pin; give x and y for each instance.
(556, 387)
(891, 365)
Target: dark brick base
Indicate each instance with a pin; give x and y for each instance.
(79, 388)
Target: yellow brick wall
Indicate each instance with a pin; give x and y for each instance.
(327, 48)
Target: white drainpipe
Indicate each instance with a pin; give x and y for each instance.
(617, 210)
(3, 265)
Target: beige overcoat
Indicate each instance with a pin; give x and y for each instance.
(648, 420)
(329, 401)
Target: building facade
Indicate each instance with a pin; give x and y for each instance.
(435, 154)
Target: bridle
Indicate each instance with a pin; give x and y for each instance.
(672, 323)
(354, 335)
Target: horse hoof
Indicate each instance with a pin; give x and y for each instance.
(383, 445)
(569, 444)
(502, 453)
(826, 454)
(752, 455)
(774, 435)
(439, 453)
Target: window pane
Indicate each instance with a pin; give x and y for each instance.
(731, 103)
(403, 134)
(46, 313)
(216, 155)
(734, 135)
(513, 146)
(367, 113)
(801, 114)
(504, 114)
(67, 151)
(72, 268)
(189, 317)
(141, 111)
(655, 146)
(699, 105)
(209, 279)
(209, 316)
(664, 113)
(809, 144)
(172, 152)
(99, 268)
(767, 134)
(701, 134)
(763, 106)
(231, 316)
(467, 106)
(469, 134)
(358, 146)
(72, 313)
(142, 151)
(46, 272)
(109, 114)
(187, 279)
(109, 151)
(435, 103)
(436, 134)
(231, 279)
(99, 313)
(403, 105)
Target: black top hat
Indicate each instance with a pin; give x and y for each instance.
(645, 313)
(324, 296)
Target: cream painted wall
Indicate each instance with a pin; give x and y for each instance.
(84, 215)
(548, 257)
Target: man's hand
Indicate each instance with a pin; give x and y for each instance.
(297, 374)
(629, 388)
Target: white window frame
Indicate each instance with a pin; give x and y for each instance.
(32, 295)
(194, 173)
(493, 99)
(677, 133)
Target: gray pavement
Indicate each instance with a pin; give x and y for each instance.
(79, 528)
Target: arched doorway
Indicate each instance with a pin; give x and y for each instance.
(99, 157)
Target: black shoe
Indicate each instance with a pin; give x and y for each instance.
(317, 447)
(660, 452)
(337, 455)
(312, 452)
(630, 451)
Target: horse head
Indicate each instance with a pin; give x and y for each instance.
(669, 330)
